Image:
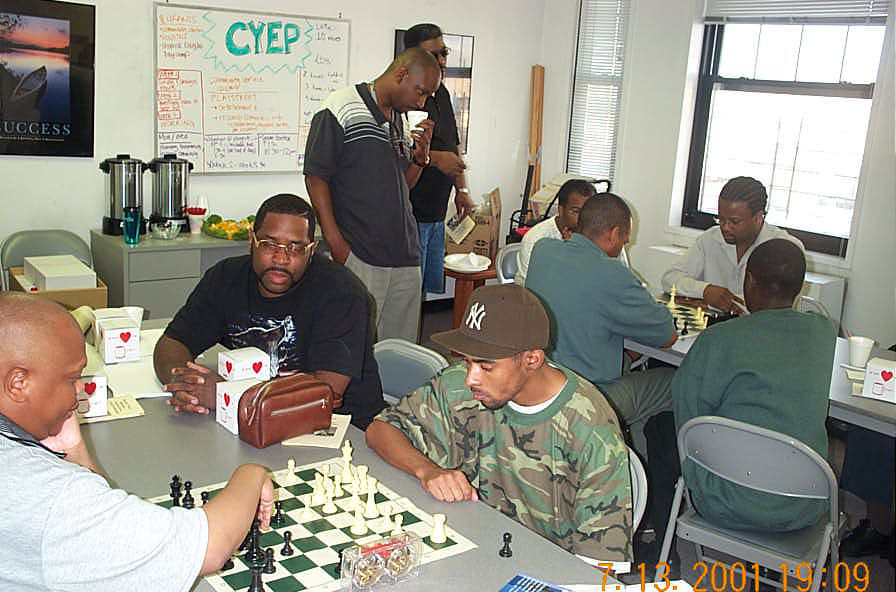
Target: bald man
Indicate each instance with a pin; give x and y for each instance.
(361, 158)
(62, 526)
(713, 268)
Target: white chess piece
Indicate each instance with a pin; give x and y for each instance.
(359, 526)
(671, 303)
(361, 483)
(317, 491)
(386, 510)
(329, 506)
(346, 470)
(354, 501)
(438, 535)
(370, 510)
(396, 529)
(289, 477)
(329, 487)
(337, 485)
(307, 513)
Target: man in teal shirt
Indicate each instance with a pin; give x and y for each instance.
(771, 369)
(595, 302)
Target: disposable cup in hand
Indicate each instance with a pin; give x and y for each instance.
(859, 350)
(415, 117)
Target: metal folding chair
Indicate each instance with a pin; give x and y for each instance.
(506, 262)
(404, 366)
(34, 243)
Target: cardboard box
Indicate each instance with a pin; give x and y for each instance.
(483, 239)
(243, 363)
(93, 400)
(228, 394)
(880, 380)
(59, 272)
(118, 340)
(97, 297)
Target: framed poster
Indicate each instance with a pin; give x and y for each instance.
(458, 77)
(46, 78)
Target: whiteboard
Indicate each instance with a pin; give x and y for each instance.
(236, 90)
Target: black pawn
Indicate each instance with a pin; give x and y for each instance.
(256, 585)
(505, 550)
(287, 549)
(255, 554)
(684, 330)
(278, 517)
(268, 561)
(204, 497)
(188, 501)
(227, 564)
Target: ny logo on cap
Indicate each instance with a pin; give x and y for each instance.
(474, 319)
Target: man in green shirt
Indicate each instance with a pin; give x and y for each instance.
(532, 439)
(772, 369)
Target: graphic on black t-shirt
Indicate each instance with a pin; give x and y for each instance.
(275, 336)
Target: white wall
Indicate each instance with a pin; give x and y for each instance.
(41, 192)
(658, 87)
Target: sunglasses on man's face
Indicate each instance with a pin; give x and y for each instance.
(441, 53)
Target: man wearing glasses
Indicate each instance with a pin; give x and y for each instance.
(429, 197)
(713, 268)
(309, 313)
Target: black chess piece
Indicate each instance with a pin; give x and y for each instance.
(256, 584)
(287, 549)
(255, 555)
(188, 502)
(204, 497)
(278, 518)
(684, 330)
(268, 561)
(505, 550)
(227, 564)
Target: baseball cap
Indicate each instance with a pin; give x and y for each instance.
(499, 322)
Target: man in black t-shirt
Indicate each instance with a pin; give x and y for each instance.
(429, 197)
(308, 313)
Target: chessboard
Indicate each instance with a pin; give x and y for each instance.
(687, 319)
(317, 537)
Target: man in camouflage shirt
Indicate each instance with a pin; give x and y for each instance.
(532, 439)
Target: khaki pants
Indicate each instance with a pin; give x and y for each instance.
(397, 292)
(637, 397)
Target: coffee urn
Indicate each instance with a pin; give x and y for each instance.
(124, 190)
(170, 188)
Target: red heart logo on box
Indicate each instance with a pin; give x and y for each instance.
(226, 400)
(89, 388)
(257, 367)
(125, 336)
(886, 375)
(229, 366)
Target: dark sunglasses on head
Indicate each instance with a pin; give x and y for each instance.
(442, 52)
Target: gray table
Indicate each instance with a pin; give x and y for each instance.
(141, 454)
(867, 413)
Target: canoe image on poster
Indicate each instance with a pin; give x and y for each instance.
(236, 91)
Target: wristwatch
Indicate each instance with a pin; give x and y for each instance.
(462, 190)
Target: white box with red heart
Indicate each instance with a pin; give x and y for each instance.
(228, 402)
(118, 340)
(245, 362)
(92, 400)
(880, 380)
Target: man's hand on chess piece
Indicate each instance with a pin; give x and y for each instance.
(447, 485)
(723, 299)
(194, 389)
(265, 503)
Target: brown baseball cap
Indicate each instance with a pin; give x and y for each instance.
(499, 322)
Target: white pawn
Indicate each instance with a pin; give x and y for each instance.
(370, 510)
(307, 514)
(361, 483)
(289, 477)
(359, 526)
(354, 501)
(325, 470)
(396, 529)
(317, 491)
(329, 506)
(386, 510)
(438, 535)
(337, 485)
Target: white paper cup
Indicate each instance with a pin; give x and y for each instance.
(859, 350)
(415, 117)
(195, 222)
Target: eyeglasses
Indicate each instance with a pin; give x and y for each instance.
(269, 247)
(732, 222)
(441, 53)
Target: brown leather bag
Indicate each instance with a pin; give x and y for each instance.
(284, 407)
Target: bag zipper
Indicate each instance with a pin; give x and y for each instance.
(321, 402)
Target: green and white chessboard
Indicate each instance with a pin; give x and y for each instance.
(317, 542)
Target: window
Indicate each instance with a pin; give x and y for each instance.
(788, 104)
(597, 88)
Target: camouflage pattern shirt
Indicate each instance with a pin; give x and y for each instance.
(563, 471)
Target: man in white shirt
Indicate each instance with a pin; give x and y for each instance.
(713, 268)
(570, 198)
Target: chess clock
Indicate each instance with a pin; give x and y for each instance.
(742, 577)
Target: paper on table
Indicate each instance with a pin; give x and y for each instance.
(677, 585)
(148, 341)
(331, 438)
(119, 408)
(137, 379)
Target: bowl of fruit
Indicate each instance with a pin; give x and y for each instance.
(218, 227)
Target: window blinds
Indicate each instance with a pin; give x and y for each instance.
(799, 11)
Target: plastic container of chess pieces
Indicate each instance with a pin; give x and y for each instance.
(382, 562)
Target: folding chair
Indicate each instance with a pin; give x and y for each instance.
(33, 243)
(404, 366)
(506, 262)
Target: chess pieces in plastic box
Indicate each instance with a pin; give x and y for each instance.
(384, 561)
(228, 402)
(93, 398)
(59, 272)
(880, 380)
(243, 363)
(118, 340)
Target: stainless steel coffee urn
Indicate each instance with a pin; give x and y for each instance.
(170, 188)
(124, 190)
